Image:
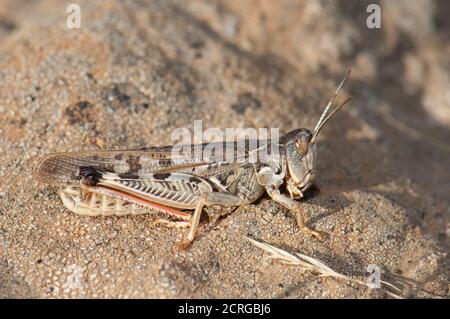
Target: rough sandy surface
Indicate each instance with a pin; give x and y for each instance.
(138, 69)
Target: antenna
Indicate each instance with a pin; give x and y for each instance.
(322, 121)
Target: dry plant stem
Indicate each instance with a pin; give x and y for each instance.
(307, 263)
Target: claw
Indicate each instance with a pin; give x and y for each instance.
(176, 224)
(317, 234)
(183, 245)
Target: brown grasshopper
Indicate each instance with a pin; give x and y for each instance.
(153, 179)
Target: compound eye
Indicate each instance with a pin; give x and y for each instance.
(301, 145)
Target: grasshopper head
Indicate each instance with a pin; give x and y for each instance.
(301, 156)
(301, 151)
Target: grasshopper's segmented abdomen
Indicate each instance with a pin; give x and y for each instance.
(95, 201)
(97, 204)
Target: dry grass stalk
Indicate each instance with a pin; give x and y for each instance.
(307, 263)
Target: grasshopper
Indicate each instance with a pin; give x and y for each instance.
(154, 180)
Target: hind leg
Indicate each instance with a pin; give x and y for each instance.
(208, 199)
(176, 224)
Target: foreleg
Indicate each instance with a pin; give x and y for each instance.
(293, 206)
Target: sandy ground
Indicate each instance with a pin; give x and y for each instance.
(136, 70)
